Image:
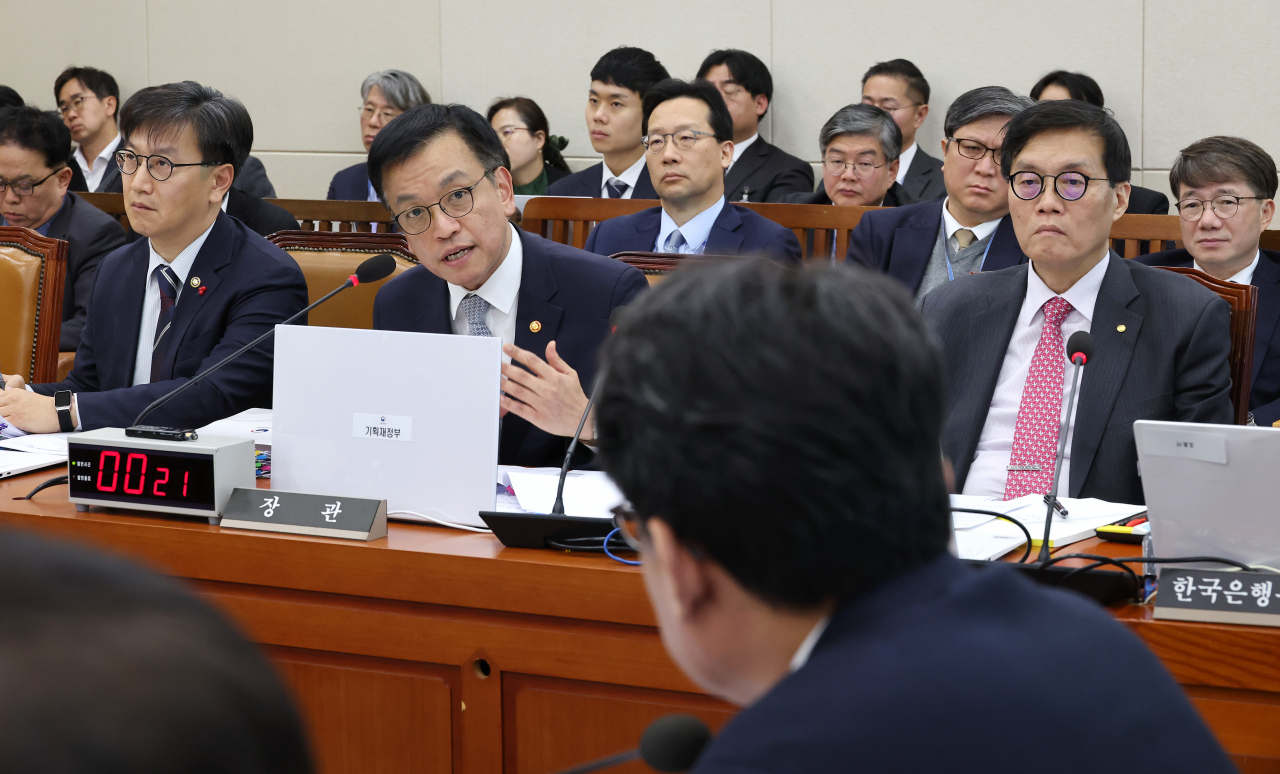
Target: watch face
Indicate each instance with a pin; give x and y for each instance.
(127, 475)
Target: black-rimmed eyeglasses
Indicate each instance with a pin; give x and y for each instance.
(974, 150)
(159, 167)
(1069, 185)
(455, 204)
(1192, 210)
(26, 187)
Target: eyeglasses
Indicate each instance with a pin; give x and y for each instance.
(455, 204)
(507, 132)
(1069, 185)
(684, 140)
(975, 150)
(1192, 210)
(26, 187)
(630, 525)
(386, 114)
(892, 107)
(75, 103)
(159, 167)
(861, 169)
(731, 90)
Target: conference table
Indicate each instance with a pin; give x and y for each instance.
(434, 650)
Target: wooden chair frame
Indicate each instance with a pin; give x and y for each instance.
(340, 216)
(48, 323)
(345, 241)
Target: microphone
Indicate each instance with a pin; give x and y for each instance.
(1079, 351)
(672, 743)
(378, 267)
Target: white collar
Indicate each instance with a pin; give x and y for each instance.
(904, 161)
(106, 153)
(810, 641)
(1242, 277)
(181, 265)
(502, 287)
(696, 231)
(1082, 296)
(739, 147)
(630, 176)
(981, 231)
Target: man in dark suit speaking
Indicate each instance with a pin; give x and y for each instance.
(776, 434)
(689, 139)
(439, 168)
(1161, 340)
(197, 289)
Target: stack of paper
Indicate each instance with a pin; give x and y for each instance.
(986, 537)
(587, 493)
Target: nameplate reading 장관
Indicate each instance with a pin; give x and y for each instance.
(352, 518)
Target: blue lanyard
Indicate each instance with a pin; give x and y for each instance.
(946, 251)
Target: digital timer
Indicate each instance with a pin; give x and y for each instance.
(106, 467)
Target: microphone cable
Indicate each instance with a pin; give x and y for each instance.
(1002, 516)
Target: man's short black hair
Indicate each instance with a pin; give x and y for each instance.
(785, 423)
(97, 81)
(1069, 114)
(745, 67)
(1078, 85)
(631, 68)
(1224, 160)
(718, 115)
(412, 131)
(907, 71)
(36, 130)
(105, 667)
(221, 124)
(10, 98)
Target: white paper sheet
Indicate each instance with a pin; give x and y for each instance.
(254, 424)
(587, 493)
(52, 443)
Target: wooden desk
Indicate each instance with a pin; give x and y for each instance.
(434, 650)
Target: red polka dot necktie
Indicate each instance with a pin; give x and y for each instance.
(1035, 437)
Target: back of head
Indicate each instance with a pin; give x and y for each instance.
(984, 102)
(1078, 85)
(36, 130)
(745, 67)
(400, 89)
(97, 81)
(785, 423)
(631, 68)
(1224, 160)
(866, 120)
(718, 116)
(220, 124)
(917, 86)
(1062, 114)
(10, 98)
(107, 668)
(410, 132)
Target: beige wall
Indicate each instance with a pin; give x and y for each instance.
(298, 65)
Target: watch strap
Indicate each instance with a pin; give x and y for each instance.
(62, 404)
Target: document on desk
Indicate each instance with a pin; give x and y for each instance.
(254, 424)
(992, 538)
(587, 493)
(46, 443)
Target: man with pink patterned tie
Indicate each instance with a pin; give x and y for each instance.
(1161, 340)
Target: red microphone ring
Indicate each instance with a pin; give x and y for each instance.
(354, 280)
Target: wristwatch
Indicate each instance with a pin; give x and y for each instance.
(62, 402)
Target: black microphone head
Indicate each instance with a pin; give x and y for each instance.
(378, 267)
(674, 742)
(1080, 343)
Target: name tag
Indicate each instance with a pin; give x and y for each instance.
(294, 513)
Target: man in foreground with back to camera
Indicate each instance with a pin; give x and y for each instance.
(200, 286)
(1226, 188)
(441, 171)
(1161, 341)
(792, 516)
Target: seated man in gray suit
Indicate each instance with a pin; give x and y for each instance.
(1161, 340)
(899, 88)
(34, 176)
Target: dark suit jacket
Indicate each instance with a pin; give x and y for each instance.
(588, 183)
(250, 286)
(895, 197)
(571, 292)
(915, 675)
(766, 173)
(90, 234)
(350, 184)
(923, 182)
(1144, 201)
(1264, 394)
(260, 216)
(737, 231)
(899, 242)
(1169, 363)
(110, 182)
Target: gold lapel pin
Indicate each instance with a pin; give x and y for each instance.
(1120, 328)
(195, 282)
(535, 326)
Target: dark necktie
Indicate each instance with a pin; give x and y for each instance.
(616, 188)
(168, 282)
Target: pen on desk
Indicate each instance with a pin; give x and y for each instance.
(1057, 506)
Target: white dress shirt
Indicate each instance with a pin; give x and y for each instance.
(904, 162)
(810, 641)
(501, 290)
(1242, 277)
(181, 266)
(696, 231)
(980, 231)
(740, 147)
(988, 473)
(630, 176)
(93, 176)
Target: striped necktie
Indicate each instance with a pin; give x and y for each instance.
(169, 287)
(616, 188)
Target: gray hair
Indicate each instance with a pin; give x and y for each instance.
(867, 120)
(983, 102)
(399, 88)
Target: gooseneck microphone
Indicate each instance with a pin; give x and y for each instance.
(672, 743)
(1079, 351)
(378, 267)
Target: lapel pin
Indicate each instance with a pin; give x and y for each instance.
(195, 282)
(200, 292)
(1120, 328)
(535, 326)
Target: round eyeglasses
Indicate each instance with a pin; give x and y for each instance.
(159, 167)
(861, 169)
(455, 204)
(1069, 185)
(1192, 210)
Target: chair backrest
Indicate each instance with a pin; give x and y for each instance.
(1146, 233)
(1244, 313)
(328, 258)
(656, 266)
(110, 203)
(569, 220)
(815, 225)
(32, 272)
(325, 215)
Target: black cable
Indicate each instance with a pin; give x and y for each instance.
(1097, 560)
(55, 481)
(593, 545)
(1016, 523)
(1188, 559)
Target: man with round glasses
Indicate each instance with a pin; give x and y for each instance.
(1226, 188)
(932, 243)
(1161, 340)
(441, 170)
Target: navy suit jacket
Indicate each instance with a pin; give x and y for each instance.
(570, 292)
(923, 181)
(91, 235)
(952, 669)
(588, 183)
(350, 184)
(737, 231)
(1264, 392)
(1144, 201)
(766, 173)
(250, 286)
(899, 242)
